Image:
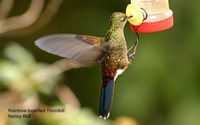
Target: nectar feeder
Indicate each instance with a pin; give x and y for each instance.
(150, 15)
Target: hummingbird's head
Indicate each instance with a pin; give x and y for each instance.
(118, 19)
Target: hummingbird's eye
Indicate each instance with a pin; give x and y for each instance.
(123, 19)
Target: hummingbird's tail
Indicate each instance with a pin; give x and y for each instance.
(106, 97)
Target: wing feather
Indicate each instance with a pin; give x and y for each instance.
(81, 48)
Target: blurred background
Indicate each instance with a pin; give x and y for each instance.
(160, 87)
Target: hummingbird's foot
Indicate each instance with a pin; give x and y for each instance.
(131, 55)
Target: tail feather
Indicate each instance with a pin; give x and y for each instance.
(106, 97)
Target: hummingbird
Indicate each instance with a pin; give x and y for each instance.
(111, 51)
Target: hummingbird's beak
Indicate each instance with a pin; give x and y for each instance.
(128, 17)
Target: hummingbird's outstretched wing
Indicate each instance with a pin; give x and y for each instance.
(83, 49)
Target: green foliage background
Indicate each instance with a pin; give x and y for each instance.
(160, 87)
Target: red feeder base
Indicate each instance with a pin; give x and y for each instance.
(147, 27)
